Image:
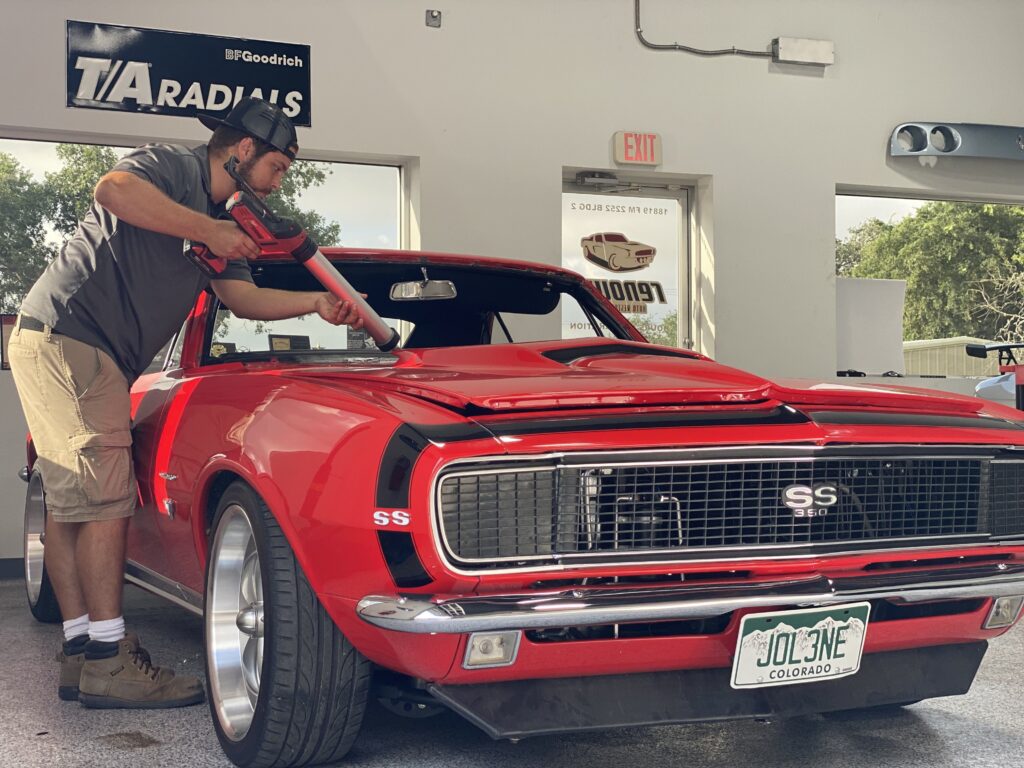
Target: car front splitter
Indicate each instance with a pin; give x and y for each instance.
(518, 708)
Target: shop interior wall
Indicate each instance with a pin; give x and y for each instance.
(489, 108)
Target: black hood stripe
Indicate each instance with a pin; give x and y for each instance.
(512, 427)
(876, 419)
(400, 455)
(404, 564)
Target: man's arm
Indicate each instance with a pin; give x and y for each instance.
(141, 204)
(249, 302)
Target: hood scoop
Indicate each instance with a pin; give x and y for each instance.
(569, 355)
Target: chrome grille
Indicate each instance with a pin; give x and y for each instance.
(1008, 498)
(561, 511)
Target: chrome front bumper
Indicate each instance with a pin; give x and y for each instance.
(595, 605)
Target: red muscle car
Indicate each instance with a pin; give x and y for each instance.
(549, 535)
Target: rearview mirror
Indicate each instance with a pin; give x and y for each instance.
(423, 290)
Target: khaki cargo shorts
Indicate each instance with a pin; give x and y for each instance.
(78, 410)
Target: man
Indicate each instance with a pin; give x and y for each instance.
(89, 326)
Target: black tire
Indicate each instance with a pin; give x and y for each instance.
(313, 685)
(42, 601)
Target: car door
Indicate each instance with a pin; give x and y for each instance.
(161, 545)
(145, 547)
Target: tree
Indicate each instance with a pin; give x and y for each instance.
(952, 255)
(1001, 296)
(72, 186)
(850, 251)
(302, 175)
(29, 209)
(24, 251)
(70, 189)
(664, 332)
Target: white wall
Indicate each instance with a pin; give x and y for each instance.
(488, 110)
(12, 458)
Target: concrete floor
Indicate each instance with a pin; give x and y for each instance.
(981, 729)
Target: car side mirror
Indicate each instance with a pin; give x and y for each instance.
(423, 290)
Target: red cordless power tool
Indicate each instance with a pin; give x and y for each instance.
(278, 235)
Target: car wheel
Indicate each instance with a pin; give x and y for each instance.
(42, 601)
(286, 688)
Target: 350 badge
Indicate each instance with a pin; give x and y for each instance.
(810, 500)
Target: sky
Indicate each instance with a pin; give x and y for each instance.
(364, 199)
(853, 210)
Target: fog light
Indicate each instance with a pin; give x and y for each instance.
(491, 649)
(1005, 611)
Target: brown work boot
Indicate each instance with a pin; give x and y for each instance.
(71, 657)
(120, 676)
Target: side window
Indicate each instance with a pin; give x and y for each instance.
(157, 363)
(174, 357)
(169, 357)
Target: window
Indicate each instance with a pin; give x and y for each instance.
(632, 241)
(45, 188)
(489, 305)
(925, 277)
(236, 339)
(524, 328)
(49, 186)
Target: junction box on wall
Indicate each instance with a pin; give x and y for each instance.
(802, 50)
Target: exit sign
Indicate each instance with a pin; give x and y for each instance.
(637, 148)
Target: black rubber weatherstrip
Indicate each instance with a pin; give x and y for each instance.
(773, 417)
(874, 418)
(572, 354)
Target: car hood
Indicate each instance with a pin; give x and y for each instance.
(606, 373)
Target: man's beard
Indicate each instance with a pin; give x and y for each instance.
(245, 171)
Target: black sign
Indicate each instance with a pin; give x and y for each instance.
(174, 73)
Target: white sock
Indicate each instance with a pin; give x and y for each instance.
(108, 631)
(76, 628)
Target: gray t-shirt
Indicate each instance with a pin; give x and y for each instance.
(124, 289)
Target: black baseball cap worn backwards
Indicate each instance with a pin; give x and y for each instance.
(261, 120)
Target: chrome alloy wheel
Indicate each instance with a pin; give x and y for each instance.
(234, 623)
(35, 536)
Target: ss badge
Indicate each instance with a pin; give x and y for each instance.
(810, 501)
(396, 517)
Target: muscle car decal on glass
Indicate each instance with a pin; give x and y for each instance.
(615, 252)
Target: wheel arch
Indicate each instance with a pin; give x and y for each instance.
(214, 483)
(212, 487)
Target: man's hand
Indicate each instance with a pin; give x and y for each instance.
(228, 241)
(337, 312)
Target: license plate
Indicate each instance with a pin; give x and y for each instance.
(799, 646)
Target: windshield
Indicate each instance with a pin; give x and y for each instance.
(491, 306)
